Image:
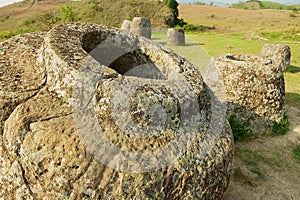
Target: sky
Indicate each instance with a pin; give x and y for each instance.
(6, 2)
(219, 2)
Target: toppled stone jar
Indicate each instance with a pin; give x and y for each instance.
(254, 89)
(95, 113)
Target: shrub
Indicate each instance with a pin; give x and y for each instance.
(68, 13)
(296, 152)
(282, 127)
(11, 33)
(192, 28)
(240, 130)
(3, 19)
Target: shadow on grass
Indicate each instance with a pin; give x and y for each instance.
(156, 39)
(292, 99)
(186, 45)
(293, 69)
(193, 44)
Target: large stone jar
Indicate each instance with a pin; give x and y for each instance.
(89, 112)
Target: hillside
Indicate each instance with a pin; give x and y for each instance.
(255, 4)
(20, 17)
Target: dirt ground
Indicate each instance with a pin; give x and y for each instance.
(280, 171)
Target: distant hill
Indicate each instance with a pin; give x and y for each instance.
(255, 4)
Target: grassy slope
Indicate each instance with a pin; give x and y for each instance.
(17, 18)
(266, 5)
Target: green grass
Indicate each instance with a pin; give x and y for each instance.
(192, 50)
(291, 35)
(240, 131)
(296, 152)
(282, 127)
(276, 6)
(218, 44)
(11, 33)
(257, 171)
(255, 158)
(250, 157)
(292, 99)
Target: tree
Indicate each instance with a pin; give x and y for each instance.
(172, 4)
(33, 2)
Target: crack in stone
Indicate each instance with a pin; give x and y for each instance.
(81, 174)
(53, 117)
(18, 152)
(98, 180)
(25, 179)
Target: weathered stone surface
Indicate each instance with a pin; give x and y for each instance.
(176, 37)
(279, 53)
(141, 26)
(253, 87)
(49, 146)
(22, 75)
(126, 25)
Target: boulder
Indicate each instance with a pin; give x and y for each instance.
(176, 37)
(141, 26)
(253, 88)
(279, 53)
(99, 114)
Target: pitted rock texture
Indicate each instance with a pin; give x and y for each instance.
(279, 53)
(44, 153)
(253, 87)
(176, 37)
